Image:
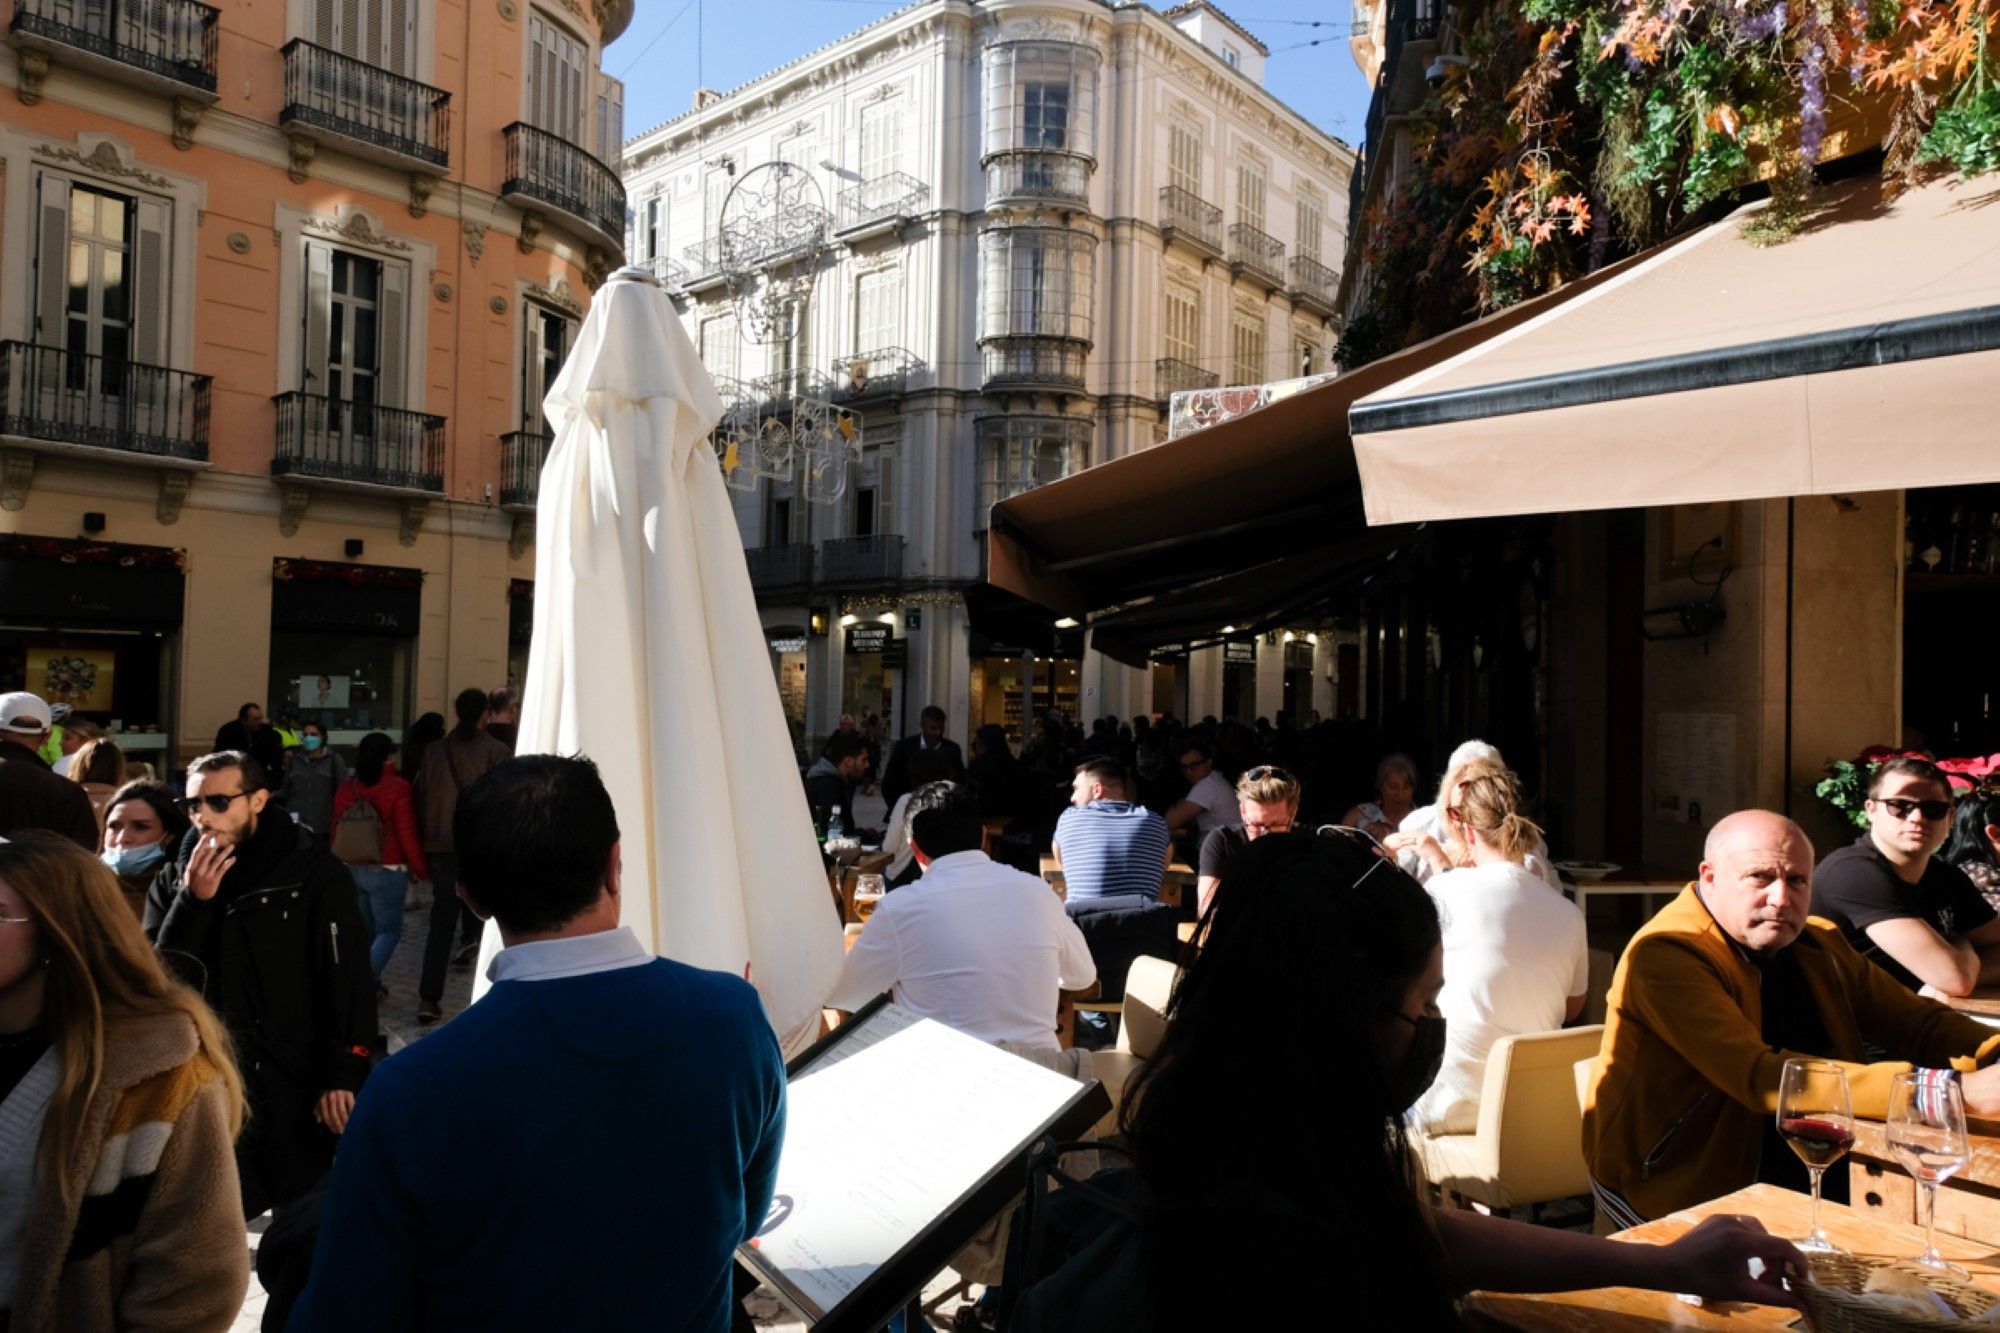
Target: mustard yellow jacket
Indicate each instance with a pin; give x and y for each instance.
(1684, 1081)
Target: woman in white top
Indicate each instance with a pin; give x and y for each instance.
(1429, 820)
(926, 766)
(1515, 960)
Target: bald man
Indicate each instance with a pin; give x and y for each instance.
(1712, 997)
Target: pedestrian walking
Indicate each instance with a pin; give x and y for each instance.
(31, 795)
(313, 773)
(451, 765)
(252, 735)
(375, 833)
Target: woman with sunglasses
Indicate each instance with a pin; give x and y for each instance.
(1900, 904)
(1317, 989)
(119, 1103)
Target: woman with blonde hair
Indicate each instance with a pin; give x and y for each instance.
(98, 767)
(1429, 821)
(1515, 957)
(119, 1108)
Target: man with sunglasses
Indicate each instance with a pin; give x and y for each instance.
(263, 920)
(1901, 905)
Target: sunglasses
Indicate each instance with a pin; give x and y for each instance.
(1382, 856)
(1264, 771)
(1901, 808)
(217, 803)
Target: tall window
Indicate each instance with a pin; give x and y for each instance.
(721, 351)
(610, 119)
(1019, 453)
(798, 149)
(1038, 280)
(1246, 348)
(549, 334)
(653, 243)
(872, 498)
(881, 141)
(1184, 157)
(1041, 96)
(100, 282)
(714, 189)
(878, 310)
(1183, 324)
(558, 73)
(1250, 194)
(1311, 219)
(382, 33)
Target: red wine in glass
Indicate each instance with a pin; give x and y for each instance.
(1819, 1143)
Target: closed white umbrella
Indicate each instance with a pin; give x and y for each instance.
(649, 658)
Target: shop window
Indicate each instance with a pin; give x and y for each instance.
(342, 645)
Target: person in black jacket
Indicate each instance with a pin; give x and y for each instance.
(260, 917)
(32, 797)
(255, 737)
(930, 737)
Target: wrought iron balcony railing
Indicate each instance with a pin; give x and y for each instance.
(1315, 282)
(1252, 251)
(881, 373)
(368, 106)
(778, 391)
(704, 261)
(48, 393)
(877, 558)
(895, 195)
(673, 275)
(522, 453)
(334, 440)
(1174, 376)
(1033, 362)
(788, 566)
(765, 242)
(173, 40)
(1184, 216)
(1035, 174)
(553, 171)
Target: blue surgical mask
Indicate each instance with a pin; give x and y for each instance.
(134, 860)
(311, 743)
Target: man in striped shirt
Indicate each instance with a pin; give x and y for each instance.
(1105, 844)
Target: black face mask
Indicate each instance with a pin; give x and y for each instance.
(1410, 1080)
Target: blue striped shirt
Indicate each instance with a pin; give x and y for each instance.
(1111, 847)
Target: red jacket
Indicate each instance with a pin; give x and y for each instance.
(397, 810)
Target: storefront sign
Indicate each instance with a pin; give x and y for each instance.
(913, 618)
(867, 638)
(97, 595)
(793, 644)
(1239, 653)
(337, 606)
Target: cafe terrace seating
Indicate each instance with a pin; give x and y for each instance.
(1528, 1145)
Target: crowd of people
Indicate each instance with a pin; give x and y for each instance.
(189, 989)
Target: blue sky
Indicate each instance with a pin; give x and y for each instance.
(741, 39)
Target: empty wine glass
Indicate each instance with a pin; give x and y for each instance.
(1816, 1116)
(1926, 1131)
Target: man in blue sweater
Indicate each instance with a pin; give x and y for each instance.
(586, 1146)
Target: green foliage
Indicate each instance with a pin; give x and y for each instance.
(1967, 135)
(1845, 788)
(1716, 167)
(1654, 152)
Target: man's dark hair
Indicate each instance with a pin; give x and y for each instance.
(534, 838)
(932, 713)
(845, 745)
(243, 713)
(470, 705)
(944, 818)
(1195, 745)
(1107, 771)
(1909, 765)
(254, 777)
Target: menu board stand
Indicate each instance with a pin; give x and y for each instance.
(818, 1179)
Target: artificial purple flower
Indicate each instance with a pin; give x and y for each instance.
(1758, 27)
(1812, 99)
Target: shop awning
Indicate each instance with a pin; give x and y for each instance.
(1862, 354)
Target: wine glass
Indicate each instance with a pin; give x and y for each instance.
(1926, 1132)
(1816, 1116)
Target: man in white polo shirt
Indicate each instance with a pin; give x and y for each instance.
(973, 944)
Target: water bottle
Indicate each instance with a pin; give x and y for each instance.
(835, 830)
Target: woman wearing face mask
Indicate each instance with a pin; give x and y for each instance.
(143, 825)
(119, 1105)
(1316, 987)
(312, 776)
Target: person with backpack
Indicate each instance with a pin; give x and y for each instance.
(450, 765)
(375, 833)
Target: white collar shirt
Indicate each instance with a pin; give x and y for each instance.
(976, 945)
(573, 956)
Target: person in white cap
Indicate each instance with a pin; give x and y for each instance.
(32, 797)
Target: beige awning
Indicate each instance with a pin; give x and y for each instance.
(1863, 354)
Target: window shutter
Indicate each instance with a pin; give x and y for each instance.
(885, 491)
(52, 262)
(319, 314)
(149, 312)
(347, 34)
(400, 39)
(323, 23)
(531, 368)
(393, 337)
(801, 511)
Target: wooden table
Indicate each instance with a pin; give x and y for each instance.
(1629, 882)
(1983, 1004)
(1968, 1204)
(1628, 1310)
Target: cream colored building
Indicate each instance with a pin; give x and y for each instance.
(1042, 217)
(280, 289)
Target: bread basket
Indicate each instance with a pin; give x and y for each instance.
(1834, 1303)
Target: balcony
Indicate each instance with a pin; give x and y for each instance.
(522, 453)
(166, 45)
(703, 269)
(672, 274)
(1172, 376)
(1314, 284)
(877, 558)
(1033, 362)
(1192, 221)
(771, 567)
(49, 396)
(363, 110)
(328, 439)
(548, 170)
(1034, 176)
(777, 393)
(1256, 254)
(882, 373)
(879, 207)
(1357, 189)
(797, 232)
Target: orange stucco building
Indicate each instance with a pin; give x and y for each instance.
(281, 285)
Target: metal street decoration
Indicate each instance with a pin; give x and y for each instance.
(771, 236)
(759, 438)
